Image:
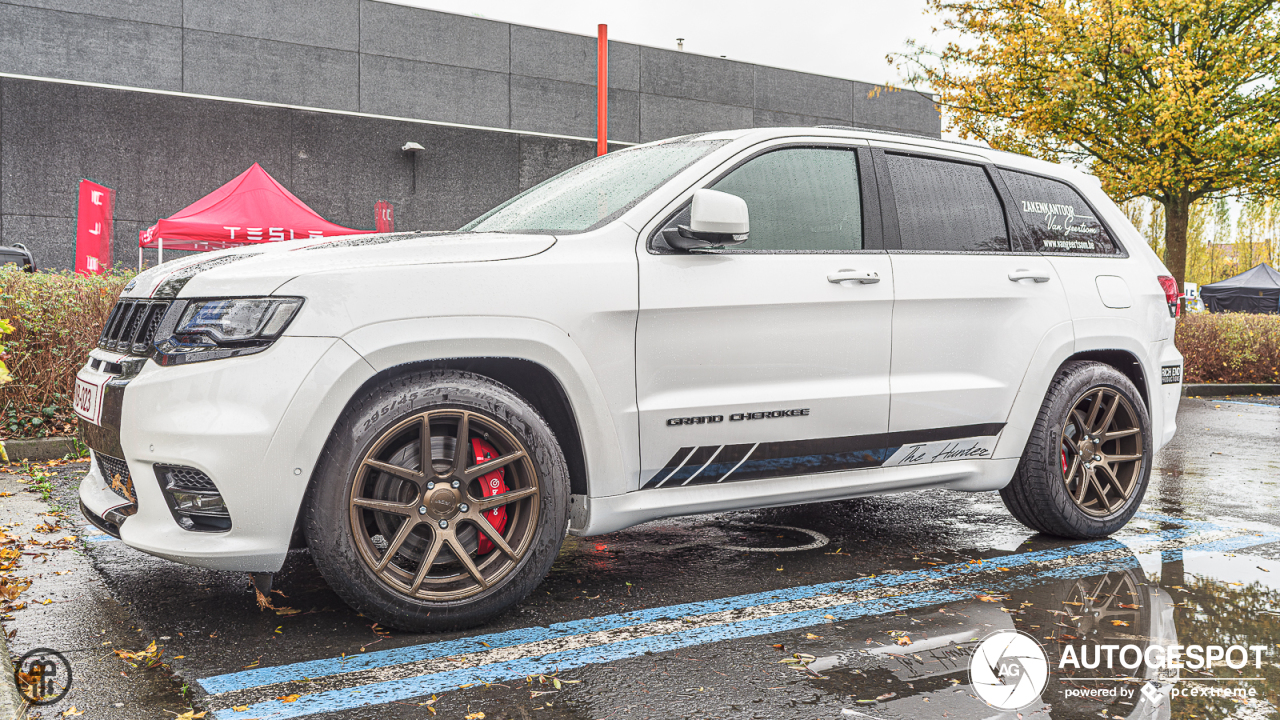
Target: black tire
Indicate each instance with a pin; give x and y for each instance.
(329, 509)
(1038, 496)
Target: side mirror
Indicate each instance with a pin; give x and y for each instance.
(717, 219)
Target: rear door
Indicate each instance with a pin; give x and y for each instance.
(971, 303)
(760, 361)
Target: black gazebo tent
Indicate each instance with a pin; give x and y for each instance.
(1256, 290)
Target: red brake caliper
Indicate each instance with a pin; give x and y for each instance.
(493, 485)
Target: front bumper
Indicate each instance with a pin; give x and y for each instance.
(249, 423)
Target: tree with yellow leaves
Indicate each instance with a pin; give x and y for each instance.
(1174, 100)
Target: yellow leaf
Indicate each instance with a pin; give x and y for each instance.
(289, 698)
(72, 711)
(240, 708)
(475, 716)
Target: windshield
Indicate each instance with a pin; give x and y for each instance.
(593, 193)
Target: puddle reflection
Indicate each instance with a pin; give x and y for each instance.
(891, 666)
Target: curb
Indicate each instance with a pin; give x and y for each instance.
(1220, 389)
(53, 448)
(12, 706)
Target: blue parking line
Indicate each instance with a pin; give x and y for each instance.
(1241, 402)
(393, 690)
(333, 666)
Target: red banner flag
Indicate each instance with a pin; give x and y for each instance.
(384, 216)
(93, 228)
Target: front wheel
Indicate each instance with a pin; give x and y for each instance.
(439, 502)
(1087, 462)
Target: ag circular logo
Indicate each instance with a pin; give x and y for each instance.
(1008, 670)
(43, 676)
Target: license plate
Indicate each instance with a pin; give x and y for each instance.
(87, 401)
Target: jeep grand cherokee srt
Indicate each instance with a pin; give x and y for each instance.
(715, 322)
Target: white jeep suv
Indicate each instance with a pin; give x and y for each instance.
(715, 322)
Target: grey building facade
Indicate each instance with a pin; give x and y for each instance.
(165, 100)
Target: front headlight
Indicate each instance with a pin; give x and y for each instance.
(195, 330)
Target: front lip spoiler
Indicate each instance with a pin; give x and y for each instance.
(109, 522)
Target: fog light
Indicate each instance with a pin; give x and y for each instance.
(189, 502)
(193, 499)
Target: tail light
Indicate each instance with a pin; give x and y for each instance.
(1171, 295)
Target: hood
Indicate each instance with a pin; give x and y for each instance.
(261, 269)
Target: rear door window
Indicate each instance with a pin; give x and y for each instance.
(946, 206)
(1056, 217)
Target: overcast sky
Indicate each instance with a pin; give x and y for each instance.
(842, 38)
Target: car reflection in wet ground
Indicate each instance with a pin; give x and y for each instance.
(722, 617)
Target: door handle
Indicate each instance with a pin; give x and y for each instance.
(866, 277)
(1024, 274)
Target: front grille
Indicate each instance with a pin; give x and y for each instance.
(116, 472)
(132, 325)
(178, 477)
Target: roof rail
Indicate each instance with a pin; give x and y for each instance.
(882, 131)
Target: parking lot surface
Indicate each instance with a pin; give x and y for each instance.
(864, 608)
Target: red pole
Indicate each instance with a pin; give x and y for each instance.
(602, 90)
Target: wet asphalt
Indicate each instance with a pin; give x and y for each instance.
(1223, 468)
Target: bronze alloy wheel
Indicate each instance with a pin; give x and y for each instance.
(417, 525)
(1101, 451)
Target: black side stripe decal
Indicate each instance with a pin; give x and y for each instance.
(704, 465)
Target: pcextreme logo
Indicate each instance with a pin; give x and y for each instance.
(1008, 670)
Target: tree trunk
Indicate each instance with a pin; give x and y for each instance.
(1177, 214)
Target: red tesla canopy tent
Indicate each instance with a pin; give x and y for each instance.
(251, 209)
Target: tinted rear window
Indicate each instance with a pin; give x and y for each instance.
(946, 206)
(1055, 215)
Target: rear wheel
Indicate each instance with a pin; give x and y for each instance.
(1087, 462)
(439, 502)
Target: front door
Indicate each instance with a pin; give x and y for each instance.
(770, 359)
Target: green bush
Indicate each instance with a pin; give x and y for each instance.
(56, 319)
(1230, 347)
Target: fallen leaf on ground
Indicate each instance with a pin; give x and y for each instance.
(475, 716)
(811, 636)
(147, 655)
(239, 708)
(72, 711)
(1120, 623)
(190, 715)
(904, 640)
(11, 589)
(289, 698)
